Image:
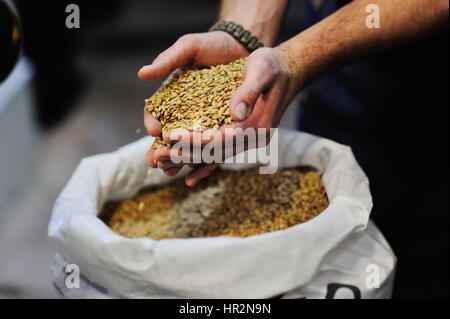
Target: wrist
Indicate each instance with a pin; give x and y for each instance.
(294, 70)
(255, 28)
(250, 41)
(262, 17)
(232, 42)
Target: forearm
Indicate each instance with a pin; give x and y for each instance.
(344, 37)
(262, 17)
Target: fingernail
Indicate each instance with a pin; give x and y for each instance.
(190, 181)
(145, 68)
(241, 111)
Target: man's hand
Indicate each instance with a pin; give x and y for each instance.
(195, 50)
(191, 50)
(260, 102)
(266, 91)
(273, 76)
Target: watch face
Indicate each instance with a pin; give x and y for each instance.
(10, 38)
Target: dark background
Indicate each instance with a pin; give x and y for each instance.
(88, 100)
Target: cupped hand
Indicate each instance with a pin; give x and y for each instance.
(259, 103)
(196, 51)
(189, 51)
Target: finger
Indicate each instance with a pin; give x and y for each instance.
(181, 53)
(178, 135)
(199, 138)
(164, 165)
(257, 77)
(176, 156)
(190, 148)
(200, 172)
(161, 154)
(150, 158)
(151, 124)
(179, 71)
(187, 153)
(172, 171)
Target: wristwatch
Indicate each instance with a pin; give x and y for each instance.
(249, 40)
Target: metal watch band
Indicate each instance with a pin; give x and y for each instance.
(249, 40)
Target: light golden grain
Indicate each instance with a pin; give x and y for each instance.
(235, 204)
(197, 94)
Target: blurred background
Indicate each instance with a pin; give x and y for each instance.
(75, 93)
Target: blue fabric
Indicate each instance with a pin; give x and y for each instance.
(392, 109)
(362, 93)
(348, 92)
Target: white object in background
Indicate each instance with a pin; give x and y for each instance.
(326, 257)
(17, 130)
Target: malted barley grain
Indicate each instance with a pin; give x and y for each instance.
(196, 100)
(235, 204)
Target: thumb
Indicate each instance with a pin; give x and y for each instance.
(180, 54)
(151, 124)
(256, 78)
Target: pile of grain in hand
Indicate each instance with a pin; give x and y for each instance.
(238, 204)
(196, 100)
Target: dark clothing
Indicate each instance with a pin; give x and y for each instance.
(392, 109)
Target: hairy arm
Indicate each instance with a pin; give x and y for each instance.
(343, 37)
(262, 17)
(273, 76)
